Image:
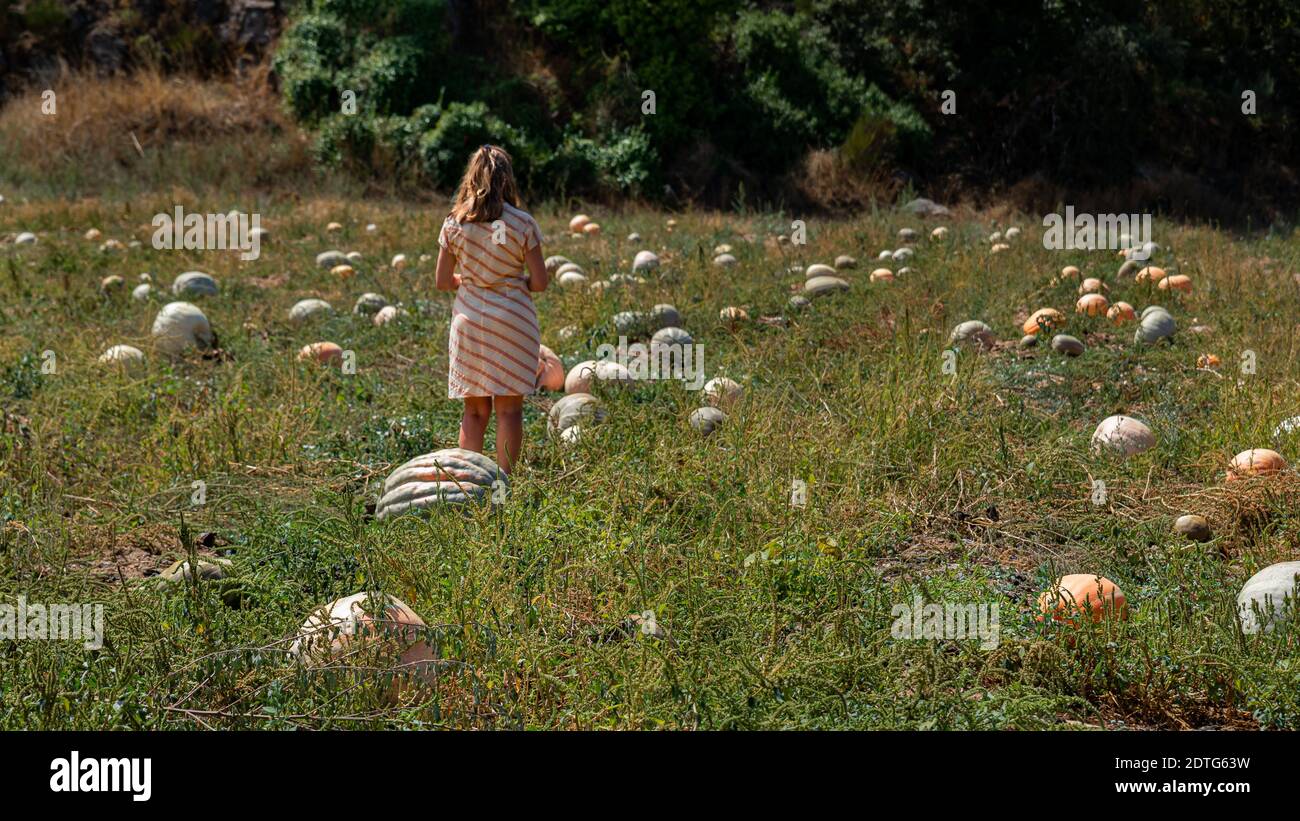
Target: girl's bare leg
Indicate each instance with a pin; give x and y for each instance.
(475, 422)
(510, 429)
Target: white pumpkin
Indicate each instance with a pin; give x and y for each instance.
(362, 632)
(25, 238)
(722, 391)
(142, 292)
(181, 325)
(194, 283)
(972, 332)
(553, 263)
(387, 314)
(822, 286)
(125, 357)
(584, 376)
(399, 262)
(1156, 324)
(572, 409)
(671, 335)
(571, 278)
(1270, 593)
(819, 270)
(724, 260)
(645, 261)
(1123, 435)
(707, 419)
(306, 309)
(330, 259)
(450, 476)
(368, 304)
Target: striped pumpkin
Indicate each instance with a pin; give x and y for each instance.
(450, 476)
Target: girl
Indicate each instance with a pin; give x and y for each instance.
(490, 253)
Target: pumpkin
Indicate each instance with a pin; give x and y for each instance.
(112, 245)
(449, 476)
(722, 391)
(571, 278)
(326, 353)
(1091, 285)
(996, 236)
(328, 259)
(142, 292)
(1122, 435)
(671, 223)
(93, 234)
(724, 260)
(550, 370)
(111, 284)
(572, 409)
(125, 357)
(584, 375)
(1193, 527)
(1120, 313)
(732, 315)
(972, 332)
(1012, 232)
(722, 249)
(634, 237)
(939, 233)
(387, 314)
(194, 283)
(1150, 274)
(645, 261)
(591, 229)
(399, 262)
(845, 262)
(1091, 305)
(306, 309)
(798, 302)
(664, 315)
(906, 235)
(554, 263)
(1155, 324)
(1068, 345)
(368, 304)
(1255, 462)
(334, 227)
(819, 270)
(361, 634)
(343, 271)
(25, 238)
(822, 286)
(1070, 272)
(1128, 269)
(1048, 318)
(903, 254)
(885, 256)
(707, 419)
(1271, 594)
(181, 325)
(999, 248)
(1208, 360)
(882, 275)
(671, 335)
(1080, 593)
(567, 267)
(579, 222)
(1177, 282)
(354, 256)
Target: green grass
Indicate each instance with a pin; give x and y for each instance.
(973, 487)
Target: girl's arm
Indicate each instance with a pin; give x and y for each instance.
(538, 279)
(445, 278)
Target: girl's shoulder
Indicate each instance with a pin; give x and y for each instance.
(519, 213)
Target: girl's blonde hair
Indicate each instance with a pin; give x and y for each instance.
(489, 182)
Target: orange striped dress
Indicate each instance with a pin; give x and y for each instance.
(494, 334)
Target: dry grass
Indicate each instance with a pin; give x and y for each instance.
(147, 130)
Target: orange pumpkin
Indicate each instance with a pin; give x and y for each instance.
(1080, 593)
(1177, 282)
(1092, 285)
(1091, 304)
(550, 370)
(1208, 360)
(326, 353)
(1069, 272)
(1121, 312)
(1150, 274)
(1050, 317)
(591, 229)
(579, 222)
(1255, 462)
(882, 275)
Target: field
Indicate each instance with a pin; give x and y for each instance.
(971, 483)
